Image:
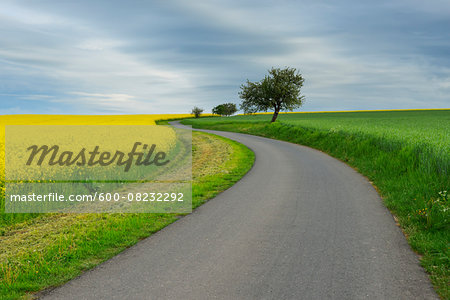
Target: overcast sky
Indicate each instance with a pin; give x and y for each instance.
(136, 56)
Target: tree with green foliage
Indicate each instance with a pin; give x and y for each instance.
(226, 109)
(218, 110)
(280, 90)
(196, 111)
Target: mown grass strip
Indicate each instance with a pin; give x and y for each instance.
(50, 250)
(402, 175)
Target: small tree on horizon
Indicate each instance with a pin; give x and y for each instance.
(196, 111)
(280, 90)
(226, 109)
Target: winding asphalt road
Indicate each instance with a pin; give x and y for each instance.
(299, 225)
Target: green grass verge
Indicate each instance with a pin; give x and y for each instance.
(52, 249)
(402, 173)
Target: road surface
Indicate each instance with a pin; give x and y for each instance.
(299, 225)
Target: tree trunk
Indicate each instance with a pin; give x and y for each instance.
(275, 115)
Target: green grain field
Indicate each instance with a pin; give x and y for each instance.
(424, 130)
(405, 154)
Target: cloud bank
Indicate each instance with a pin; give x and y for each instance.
(102, 57)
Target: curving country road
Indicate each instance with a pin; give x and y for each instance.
(299, 225)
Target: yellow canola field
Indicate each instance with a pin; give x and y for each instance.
(75, 120)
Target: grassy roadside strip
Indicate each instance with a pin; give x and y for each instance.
(52, 249)
(406, 186)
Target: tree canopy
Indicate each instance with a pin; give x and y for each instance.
(226, 109)
(196, 111)
(280, 90)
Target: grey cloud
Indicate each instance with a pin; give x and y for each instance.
(166, 56)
